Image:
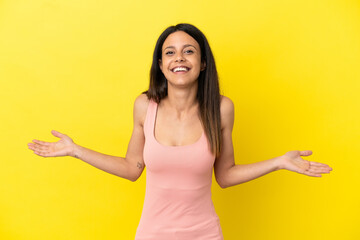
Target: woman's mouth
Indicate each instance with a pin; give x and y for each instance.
(180, 69)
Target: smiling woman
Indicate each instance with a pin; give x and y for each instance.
(185, 45)
(182, 132)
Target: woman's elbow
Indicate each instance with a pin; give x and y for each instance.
(222, 183)
(133, 178)
(130, 174)
(133, 175)
(132, 170)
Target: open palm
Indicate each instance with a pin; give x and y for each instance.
(63, 147)
(292, 161)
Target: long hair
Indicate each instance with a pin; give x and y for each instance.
(208, 94)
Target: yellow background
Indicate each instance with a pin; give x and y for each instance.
(292, 69)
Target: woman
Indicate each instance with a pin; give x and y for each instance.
(182, 130)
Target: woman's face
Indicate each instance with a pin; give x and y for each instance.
(181, 50)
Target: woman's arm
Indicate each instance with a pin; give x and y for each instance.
(228, 174)
(129, 167)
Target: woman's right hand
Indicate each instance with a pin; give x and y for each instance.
(63, 147)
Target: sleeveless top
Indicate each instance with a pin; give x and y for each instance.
(177, 204)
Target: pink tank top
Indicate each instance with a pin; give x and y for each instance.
(178, 204)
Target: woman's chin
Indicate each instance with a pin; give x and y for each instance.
(182, 83)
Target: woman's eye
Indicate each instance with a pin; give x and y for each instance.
(171, 52)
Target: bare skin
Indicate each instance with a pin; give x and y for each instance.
(130, 167)
(177, 124)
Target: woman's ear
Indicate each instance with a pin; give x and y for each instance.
(203, 66)
(160, 64)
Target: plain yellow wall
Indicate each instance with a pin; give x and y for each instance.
(292, 69)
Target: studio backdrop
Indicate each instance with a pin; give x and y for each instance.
(292, 69)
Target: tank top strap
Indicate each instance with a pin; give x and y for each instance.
(150, 118)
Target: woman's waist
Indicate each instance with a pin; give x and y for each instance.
(169, 181)
(178, 204)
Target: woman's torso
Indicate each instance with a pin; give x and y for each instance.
(178, 202)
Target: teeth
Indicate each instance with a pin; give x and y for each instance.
(178, 69)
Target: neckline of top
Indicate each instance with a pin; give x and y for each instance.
(171, 146)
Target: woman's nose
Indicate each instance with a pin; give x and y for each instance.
(179, 58)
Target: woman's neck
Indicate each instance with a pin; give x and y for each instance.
(182, 100)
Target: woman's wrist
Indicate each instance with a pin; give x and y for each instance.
(75, 151)
(279, 162)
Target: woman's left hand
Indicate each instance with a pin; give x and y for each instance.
(292, 161)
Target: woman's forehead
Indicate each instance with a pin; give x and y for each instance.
(180, 39)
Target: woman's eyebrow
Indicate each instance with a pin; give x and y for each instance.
(186, 45)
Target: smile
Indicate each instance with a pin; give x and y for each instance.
(180, 69)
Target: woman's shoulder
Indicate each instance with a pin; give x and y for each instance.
(226, 111)
(142, 101)
(140, 108)
(226, 105)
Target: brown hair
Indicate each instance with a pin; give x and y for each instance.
(208, 94)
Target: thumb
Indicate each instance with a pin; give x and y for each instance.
(306, 153)
(57, 134)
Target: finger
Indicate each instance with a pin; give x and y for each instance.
(324, 169)
(32, 146)
(306, 153)
(42, 153)
(38, 147)
(311, 174)
(41, 142)
(317, 164)
(319, 170)
(57, 134)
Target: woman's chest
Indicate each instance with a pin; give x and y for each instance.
(170, 130)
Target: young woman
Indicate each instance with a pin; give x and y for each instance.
(182, 130)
